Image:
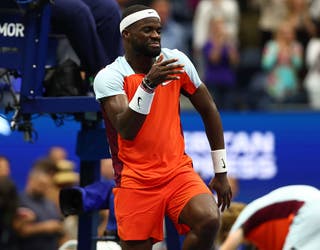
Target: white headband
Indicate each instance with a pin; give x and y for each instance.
(134, 17)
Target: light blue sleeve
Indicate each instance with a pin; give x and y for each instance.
(189, 67)
(108, 82)
(270, 55)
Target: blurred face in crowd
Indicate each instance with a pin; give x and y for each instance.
(217, 26)
(4, 167)
(57, 153)
(286, 32)
(38, 184)
(297, 5)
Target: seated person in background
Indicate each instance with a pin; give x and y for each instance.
(96, 196)
(8, 208)
(300, 17)
(12, 218)
(286, 218)
(62, 175)
(57, 153)
(46, 230)
(91, 26)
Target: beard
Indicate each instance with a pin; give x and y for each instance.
(145, 50)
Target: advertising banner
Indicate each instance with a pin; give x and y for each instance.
(264, 150)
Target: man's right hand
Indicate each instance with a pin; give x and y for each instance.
(162, 71)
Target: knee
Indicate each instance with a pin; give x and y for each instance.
(209, 225)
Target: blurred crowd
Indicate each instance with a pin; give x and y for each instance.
(252, 54)
(32, 218)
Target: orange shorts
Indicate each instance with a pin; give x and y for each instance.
(140, 212)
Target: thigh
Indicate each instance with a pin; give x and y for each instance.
(184, 189)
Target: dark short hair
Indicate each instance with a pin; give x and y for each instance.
(132, 9)
(45, 165)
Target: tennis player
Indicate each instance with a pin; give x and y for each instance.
(139, 96)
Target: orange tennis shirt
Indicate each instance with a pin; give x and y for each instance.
(158, 151)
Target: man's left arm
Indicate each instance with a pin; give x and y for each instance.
(204, 104)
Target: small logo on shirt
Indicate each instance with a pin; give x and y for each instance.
(139, 100)
(166, 82)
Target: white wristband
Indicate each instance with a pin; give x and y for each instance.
(219, 159)
(141, 101)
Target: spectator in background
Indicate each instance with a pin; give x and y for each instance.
(4, 166)
(314, 10)
(172, 32)
(228, 9)
(46, 230)
(221, 58)
(93, 197)
(12, 218)
(65, 177)
(92, 27)
(182, 11)
(8, 216)
(272, 14)
(312, 79)
(57, 153)
(250, 50)
(299, 15)
(282, 59)
(193, 4)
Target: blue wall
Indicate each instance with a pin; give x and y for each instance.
(22, 154)
(265, 150)
(268, 150)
